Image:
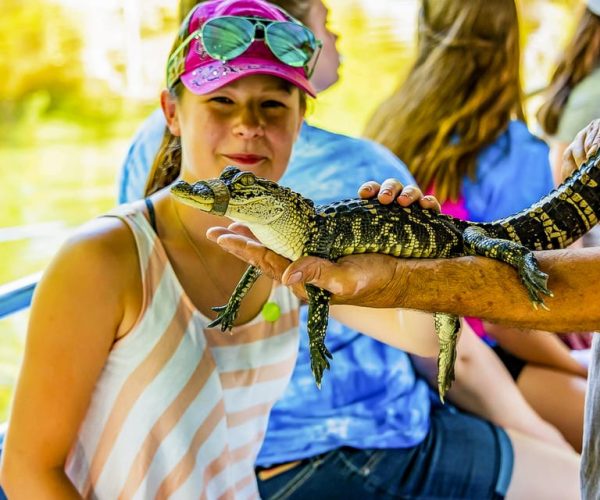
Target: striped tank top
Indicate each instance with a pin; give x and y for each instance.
(180, 410)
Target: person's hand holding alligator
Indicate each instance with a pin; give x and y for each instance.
(355, 279)
(585, 145)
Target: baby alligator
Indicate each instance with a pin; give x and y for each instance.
(292, 226)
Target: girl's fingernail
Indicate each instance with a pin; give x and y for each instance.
(294, 278)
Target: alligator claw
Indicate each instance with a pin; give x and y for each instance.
(319, 363)
(226, 317)
(534, 280)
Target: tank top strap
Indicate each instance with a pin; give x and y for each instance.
(152, 258)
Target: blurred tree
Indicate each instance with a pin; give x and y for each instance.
(41, 49)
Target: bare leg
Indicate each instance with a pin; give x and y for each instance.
(542, 470)
(558, 397)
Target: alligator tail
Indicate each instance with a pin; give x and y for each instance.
(558, 219)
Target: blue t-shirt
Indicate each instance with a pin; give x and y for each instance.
(511, 174)
(372, 397)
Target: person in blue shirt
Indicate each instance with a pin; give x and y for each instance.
(464, 137)
(373, 429)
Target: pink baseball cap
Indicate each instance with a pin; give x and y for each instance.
(202, 74)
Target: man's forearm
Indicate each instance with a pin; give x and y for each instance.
(475, 286)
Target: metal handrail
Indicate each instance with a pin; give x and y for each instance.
(17, 294)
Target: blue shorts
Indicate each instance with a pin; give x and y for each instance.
(462, 457)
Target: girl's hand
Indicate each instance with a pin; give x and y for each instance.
(393, 189)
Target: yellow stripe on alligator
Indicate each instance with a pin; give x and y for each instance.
(512, 234)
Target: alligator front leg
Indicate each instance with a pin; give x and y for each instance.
(318, 316)
(229, 312)
(447, 327)
(477, 242)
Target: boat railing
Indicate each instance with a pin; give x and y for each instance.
(16, 295)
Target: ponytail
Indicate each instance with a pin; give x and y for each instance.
(167, 164)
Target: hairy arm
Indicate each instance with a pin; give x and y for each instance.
(468, 286)
(475, 286)
(76, 313)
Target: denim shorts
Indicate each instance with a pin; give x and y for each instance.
(462, 457)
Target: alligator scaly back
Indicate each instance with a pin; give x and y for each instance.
(561, 217)
(292, 226)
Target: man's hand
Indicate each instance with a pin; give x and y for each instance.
(238, 240)
(356, 279)
(392, 189)
(585, 144)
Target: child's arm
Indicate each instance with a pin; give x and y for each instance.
(79, 308)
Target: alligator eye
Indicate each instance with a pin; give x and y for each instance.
(245, 178)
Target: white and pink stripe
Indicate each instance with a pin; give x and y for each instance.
(179, 410)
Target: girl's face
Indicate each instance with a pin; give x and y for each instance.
(251, 123)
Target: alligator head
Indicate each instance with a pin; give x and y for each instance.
(276, 215)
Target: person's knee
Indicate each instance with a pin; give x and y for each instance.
(542, 470)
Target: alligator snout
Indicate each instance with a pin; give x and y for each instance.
(210, 196)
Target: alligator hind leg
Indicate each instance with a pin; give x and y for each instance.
(447, 327)
(477, 242)
(229, 312)
(318, 316)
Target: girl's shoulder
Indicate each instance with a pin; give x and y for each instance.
(102, 249)
(104, 238)
(94, 278)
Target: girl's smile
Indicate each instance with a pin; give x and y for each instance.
(245, 159)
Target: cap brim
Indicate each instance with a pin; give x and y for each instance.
(204, 80)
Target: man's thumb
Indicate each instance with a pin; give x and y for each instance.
(305, 270)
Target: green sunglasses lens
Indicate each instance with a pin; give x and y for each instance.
(292, 43)
(226, 38)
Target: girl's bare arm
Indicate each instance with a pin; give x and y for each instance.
(78, 309)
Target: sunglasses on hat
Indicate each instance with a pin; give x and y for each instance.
(227, 37)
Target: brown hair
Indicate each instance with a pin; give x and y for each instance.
(459, 95)
(579, 59)
(167, 162)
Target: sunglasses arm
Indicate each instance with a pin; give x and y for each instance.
(309, 72)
